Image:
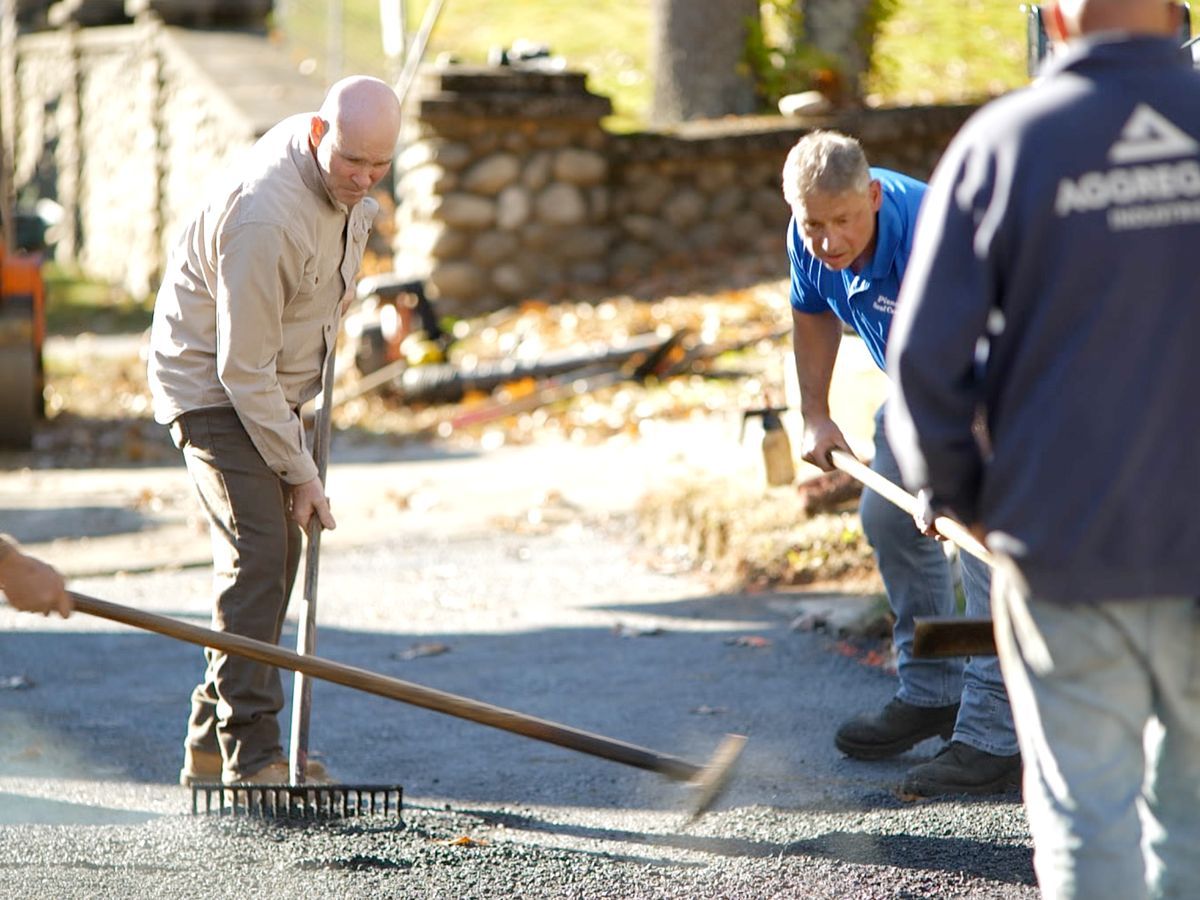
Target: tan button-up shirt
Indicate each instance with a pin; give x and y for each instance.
(249, 306)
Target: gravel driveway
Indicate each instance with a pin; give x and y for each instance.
(509, 577)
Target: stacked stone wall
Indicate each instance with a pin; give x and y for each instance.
(118, 187)
(509, 187)
(503, 186)
(683, 200)
(127, 131)
(507, 184)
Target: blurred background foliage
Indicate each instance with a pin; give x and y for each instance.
(926, 51)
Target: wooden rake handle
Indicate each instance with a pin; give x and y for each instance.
(306, 631)
(707, 779)
(946, 527)
(933, 636)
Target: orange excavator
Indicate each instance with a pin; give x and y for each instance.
(22, 311)
(22, 333)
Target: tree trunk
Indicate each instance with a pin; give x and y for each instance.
(837, 27)
(698, 48)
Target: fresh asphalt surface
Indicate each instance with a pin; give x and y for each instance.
(510, 577)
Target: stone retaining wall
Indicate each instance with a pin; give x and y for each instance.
(509, 186)
(126, 127)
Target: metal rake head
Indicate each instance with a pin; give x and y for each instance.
(293, 801)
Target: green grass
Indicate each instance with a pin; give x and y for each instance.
(75, 304)
(608, 39)
(940, 51)
(948, 51)
(929, 51)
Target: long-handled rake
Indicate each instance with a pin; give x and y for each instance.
(707, 781)
(306, 631)
(933, 636)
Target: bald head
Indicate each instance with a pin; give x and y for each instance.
(1069, 19)
(360, 102)
(354, 135)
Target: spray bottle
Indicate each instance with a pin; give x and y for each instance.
(776, 448)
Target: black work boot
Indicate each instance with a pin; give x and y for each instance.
(895, 729)
(962, 769)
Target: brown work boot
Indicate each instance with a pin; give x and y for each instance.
(279, 772)
(962, 769)
(199, 766)
(896, 728)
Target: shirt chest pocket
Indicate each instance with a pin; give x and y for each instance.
(316, 294)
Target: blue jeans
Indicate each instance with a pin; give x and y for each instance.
(919, 581)
(1107, 703)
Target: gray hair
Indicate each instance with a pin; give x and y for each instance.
(825, 161)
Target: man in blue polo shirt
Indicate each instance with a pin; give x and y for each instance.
(848, 244)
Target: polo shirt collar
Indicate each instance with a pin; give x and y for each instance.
(887, 240)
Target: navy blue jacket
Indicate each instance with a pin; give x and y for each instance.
(1054, 287)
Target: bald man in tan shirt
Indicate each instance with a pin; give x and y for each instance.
(243, 323)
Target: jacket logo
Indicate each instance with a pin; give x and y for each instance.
(1150, 135)
(1153, 180)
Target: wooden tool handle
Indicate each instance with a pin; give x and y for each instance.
(946, 527)
(942, 636)
(306, 631)
(395, 689)
(934, 637)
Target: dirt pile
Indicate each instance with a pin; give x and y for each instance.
(746, 536)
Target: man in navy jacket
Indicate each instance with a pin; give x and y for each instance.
(1053, 292)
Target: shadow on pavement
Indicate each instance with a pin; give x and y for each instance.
(112, 705)
(18, 809)
(1008, 863)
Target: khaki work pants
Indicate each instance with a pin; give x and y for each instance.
(256, 552)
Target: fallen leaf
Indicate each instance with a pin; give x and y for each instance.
(749, 640)
(416, 651)
(628, 631)
(867, 656)
(396, 498)
(809, 622)
(464, 840)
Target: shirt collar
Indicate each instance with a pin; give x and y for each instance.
(310, 173)
(1113, 46)
(887, 240)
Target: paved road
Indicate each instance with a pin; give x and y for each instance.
(509, 577)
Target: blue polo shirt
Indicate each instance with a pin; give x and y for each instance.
(866, 300)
